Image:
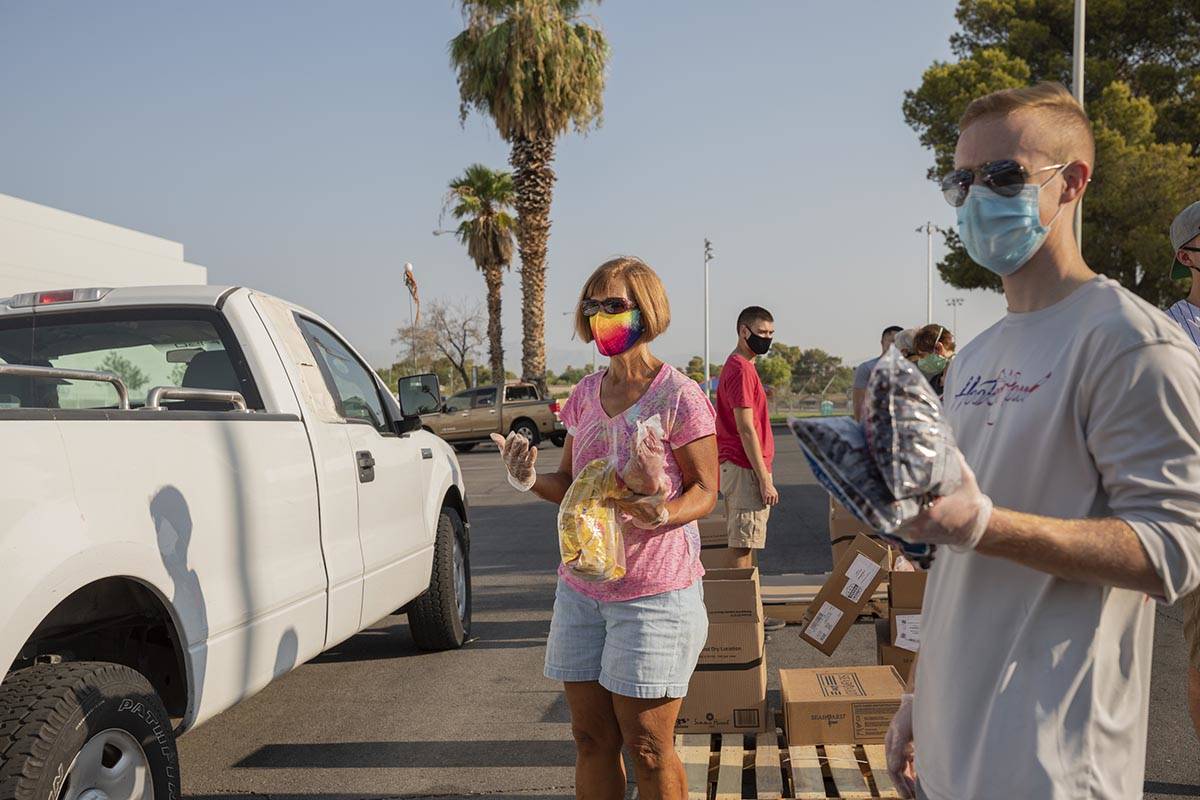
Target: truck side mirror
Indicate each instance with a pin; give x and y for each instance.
(419, 394)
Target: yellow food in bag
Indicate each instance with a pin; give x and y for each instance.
(589, 533)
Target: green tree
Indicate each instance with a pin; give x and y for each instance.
(695, 369)
(480, 200)
(813, 369)
(774, 371)
(536, 68)
(126, 370)
(572, 375)
(1142, 92)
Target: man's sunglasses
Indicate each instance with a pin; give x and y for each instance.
(1006, 178)
(609, 305)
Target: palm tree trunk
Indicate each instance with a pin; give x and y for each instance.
(494, 276)
(534, 181)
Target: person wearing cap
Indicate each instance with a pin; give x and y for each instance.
(1185, 241)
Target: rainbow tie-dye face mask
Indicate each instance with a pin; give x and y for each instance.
(616, 333)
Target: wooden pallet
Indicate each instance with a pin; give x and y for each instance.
(719, 765)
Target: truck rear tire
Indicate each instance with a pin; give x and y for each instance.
(465, 447)
(85, 728)
(440, 619)
(559, 439)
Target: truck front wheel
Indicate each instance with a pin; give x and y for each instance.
(85, 729)
(440, 619)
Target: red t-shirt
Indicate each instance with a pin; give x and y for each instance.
(739, 387)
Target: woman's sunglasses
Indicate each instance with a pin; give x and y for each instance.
(1006, 178)
(609, 305)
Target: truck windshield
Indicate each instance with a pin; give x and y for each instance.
(144, 350)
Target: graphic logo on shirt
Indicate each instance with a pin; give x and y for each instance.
(1009, 386)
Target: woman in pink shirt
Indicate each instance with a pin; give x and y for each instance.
(625, 649)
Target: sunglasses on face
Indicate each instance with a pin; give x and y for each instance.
(1006, 178)
(609, 305)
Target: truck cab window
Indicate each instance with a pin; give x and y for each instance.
(514, 394)
(143, 349)
(352, 384)
(459, 402)
(485, 398)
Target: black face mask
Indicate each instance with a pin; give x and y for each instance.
(759, 345)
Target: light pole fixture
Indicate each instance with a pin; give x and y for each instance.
(1077, 90)
(954, 303)
(928, 228)
(708, 256)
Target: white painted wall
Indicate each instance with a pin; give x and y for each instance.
(45, 248)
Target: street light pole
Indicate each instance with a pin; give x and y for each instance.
(1077, 90)
(954, 303)
(708, 255)
(928, 228)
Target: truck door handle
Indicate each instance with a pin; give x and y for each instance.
(366, 466)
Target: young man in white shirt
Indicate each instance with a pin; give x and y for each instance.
(1185, 241)
(1077, 411)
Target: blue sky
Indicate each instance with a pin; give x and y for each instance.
(304, 148)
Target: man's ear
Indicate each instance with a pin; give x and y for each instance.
(1187, 257)
(1076, 176)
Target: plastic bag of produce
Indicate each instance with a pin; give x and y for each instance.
(837, 451)
(646, 471)
(589, 532)
(907, 432)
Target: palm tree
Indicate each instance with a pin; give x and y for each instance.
(535, 68)
(480, 199)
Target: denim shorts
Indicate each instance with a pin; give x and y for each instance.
(646, 647)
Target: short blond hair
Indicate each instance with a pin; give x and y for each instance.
(1067, 121)
(645, 289)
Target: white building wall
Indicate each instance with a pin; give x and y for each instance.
(45, 248)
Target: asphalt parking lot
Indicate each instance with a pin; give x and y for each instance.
(376, 718)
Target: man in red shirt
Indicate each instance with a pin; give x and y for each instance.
(745, 445)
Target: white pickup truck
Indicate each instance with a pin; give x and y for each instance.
(200, 489)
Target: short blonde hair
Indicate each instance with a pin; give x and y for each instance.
(645, 289)
(1068, 122)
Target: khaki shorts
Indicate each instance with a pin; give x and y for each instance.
(1191, 626)
(745, 511)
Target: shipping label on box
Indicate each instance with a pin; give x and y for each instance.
(848, 705)
(844, 594)
(906, 628)
(733, 595)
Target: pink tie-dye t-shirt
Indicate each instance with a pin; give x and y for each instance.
(666, 558)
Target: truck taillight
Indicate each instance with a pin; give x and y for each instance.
(57, 296)
(554, 407)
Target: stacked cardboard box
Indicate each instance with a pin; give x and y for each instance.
(839, 705)
(843, 527)
(728, 690)
(714, 542)
(901, 638)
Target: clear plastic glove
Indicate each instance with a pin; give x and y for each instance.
(958, 519)
(898, 745)
(645, 511)
(519, 460)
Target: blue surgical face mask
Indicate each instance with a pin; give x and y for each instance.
(1002, 233)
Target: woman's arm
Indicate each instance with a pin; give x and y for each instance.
(697, 462)
(552, 486)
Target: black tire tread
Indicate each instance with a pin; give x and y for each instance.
(35, 704)
(431, 616)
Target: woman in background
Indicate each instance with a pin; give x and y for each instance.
(934, 347)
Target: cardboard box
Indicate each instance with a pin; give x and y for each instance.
(717, 558)
(905, 628)
(839, 705)
(733, 645)
(714, 531)
(725, 701)
(845, 594)
(733, 595)
(902, 660)
(906, 589)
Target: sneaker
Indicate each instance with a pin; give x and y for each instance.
(772, 624)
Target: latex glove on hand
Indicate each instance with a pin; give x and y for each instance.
(898, 745)
(958, 519)
(519, 460)
(645, 511)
